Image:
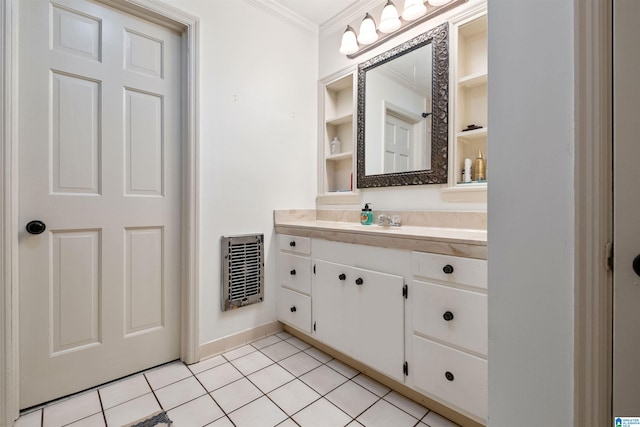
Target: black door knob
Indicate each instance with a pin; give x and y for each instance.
(448, 316)
(342, 276)
(448, 269)
(36, 227)
(636, 265)
(293, 309)
(449, 376)
(359, 281)
(292, 272)
(292, 244)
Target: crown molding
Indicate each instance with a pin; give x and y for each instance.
(274, 8)
(349, 15)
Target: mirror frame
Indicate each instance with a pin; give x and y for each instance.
(438, 37)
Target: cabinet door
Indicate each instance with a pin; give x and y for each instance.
(378, 306)
(361, 313)
(331, 313)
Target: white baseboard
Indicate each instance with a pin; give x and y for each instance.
(224, 344)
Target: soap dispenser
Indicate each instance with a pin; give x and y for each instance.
(366, 216)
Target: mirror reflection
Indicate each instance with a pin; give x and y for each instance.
(403, 97)
(398, 114)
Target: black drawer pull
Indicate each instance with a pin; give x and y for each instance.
(449, 376)
(342, 276)
(448, 316)
(293, 308)
(448, 269)
(292, 243)
(359, 281)
(292, 272)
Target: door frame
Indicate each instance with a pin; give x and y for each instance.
(151, 10)
(593, 179)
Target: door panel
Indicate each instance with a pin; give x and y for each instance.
(626, 298)
(99, 163)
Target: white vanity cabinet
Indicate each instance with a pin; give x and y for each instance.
(294, 281)
(449, 330)
(418, 318)
(355, 310)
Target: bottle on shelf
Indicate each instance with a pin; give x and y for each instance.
(335, 146)
(479, 170)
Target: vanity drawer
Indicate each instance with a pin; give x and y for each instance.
(453, 315)
(295, 272)
(294, 309)
(295, 244)
(450, 375)
(450, 269)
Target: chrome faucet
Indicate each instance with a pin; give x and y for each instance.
(389, 220)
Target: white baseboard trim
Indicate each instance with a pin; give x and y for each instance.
(224, 344)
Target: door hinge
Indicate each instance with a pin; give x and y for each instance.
(314, 326)
(314, 269)
(608, 249)
(405, 368)
(405, 291)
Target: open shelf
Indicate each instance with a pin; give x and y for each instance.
(340, 156)
(340, 120)
(473, 80)
(472, 135)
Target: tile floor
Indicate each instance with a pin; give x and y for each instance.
(276, 381)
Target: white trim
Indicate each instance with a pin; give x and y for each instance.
(274, 8)
(9, 304)
(593, 213)
(9, 344)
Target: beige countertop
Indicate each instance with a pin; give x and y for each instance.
(470, 243)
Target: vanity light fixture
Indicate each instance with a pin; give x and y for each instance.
(413, 9)
(414, 13)
(389, 21)
(368, 33)
(349, 42)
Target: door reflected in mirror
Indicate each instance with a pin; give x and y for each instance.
(403, 97)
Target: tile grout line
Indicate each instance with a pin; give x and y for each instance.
(104, 415)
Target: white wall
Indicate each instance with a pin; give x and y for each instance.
(531, 225)
(258, 132)
(420, 197)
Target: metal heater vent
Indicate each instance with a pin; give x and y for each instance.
(242, 271)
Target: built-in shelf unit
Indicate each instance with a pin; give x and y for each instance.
(469, 84)
(337, 170)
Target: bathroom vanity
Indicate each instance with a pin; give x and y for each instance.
(408, 302)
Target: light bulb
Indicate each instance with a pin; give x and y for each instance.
(349, 43)
(438, 2)
(389, 21)
(413, 9)
(368, 33)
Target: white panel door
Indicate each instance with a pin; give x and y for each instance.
(99, 162)
(626, 288)
(398, 145)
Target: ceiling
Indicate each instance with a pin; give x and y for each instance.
(317, 11)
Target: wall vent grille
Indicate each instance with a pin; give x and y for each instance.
(242, 271)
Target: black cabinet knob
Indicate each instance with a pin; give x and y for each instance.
(636, 265)
(448, 316)
(359, 281)
(36, 227)
(449, 376)
(292, 272)
(448, 269)
(293, 309)
(342, 276)
(292, 243)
